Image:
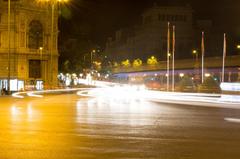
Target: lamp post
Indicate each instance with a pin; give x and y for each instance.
(41, 52)
(238, 46)
(9, 45)
(92, 54)
(52, 42)
(196, 66)
(195, 53)
(53, 7)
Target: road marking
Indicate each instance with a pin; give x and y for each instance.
(232, 120)
(18, 95)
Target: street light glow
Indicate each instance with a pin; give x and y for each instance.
(207, 74)
(181, 75)
(194, 52)
(53, 1)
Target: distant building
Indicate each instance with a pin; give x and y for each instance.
(33, 57)
(150, 38)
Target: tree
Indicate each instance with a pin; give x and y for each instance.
(126, 63)
(97, 65)
(152, 60)
(137, 63)
(66, 66)
(115, 64)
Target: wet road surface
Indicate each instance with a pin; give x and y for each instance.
(73, 127)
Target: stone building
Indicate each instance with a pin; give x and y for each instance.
(33, 57)
(150, 37)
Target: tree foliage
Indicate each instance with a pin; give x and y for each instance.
(152, 60)
(126, 63)
(137, 63)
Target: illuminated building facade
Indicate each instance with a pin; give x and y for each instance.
(33, 57)
(150, 37)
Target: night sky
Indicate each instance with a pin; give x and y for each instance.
(98, 19)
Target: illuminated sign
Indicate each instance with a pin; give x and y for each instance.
(230, 87)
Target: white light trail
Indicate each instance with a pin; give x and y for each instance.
(31, 94)
(232, 120)
(108, 90)
(19, 95)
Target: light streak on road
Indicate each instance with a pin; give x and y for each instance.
(32, 94)
(124, 92)
(37, 94)
(19, 95)
(14, 110)
(232, 120)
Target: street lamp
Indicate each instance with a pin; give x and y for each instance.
(195, 53)
(52, 3)
(181, 75)
(207, 75)
(41, 51)
(9, 45)
(238, 46)
(196, 64)
(92, 52)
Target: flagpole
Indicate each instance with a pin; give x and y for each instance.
(168, 52)
(224, 56)
(9, 47)
(203, 52)
(173, 64)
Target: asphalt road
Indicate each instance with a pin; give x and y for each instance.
(73, 127)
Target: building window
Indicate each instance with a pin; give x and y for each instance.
(184, 18)
(34, 69)
(161, 17)
(35, 37)
(177, 18)
(148, 19)
(22, 39)
(168, 17)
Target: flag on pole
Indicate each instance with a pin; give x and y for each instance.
(225, 46)
(168, 40)
(224, 56)
(168, 52)
(173, 60)
(203, 45)
(203, 55)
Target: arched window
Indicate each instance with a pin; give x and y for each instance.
(35, 37)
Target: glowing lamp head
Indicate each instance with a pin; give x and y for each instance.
(181, 75)
(207, 75)
(194, 51)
